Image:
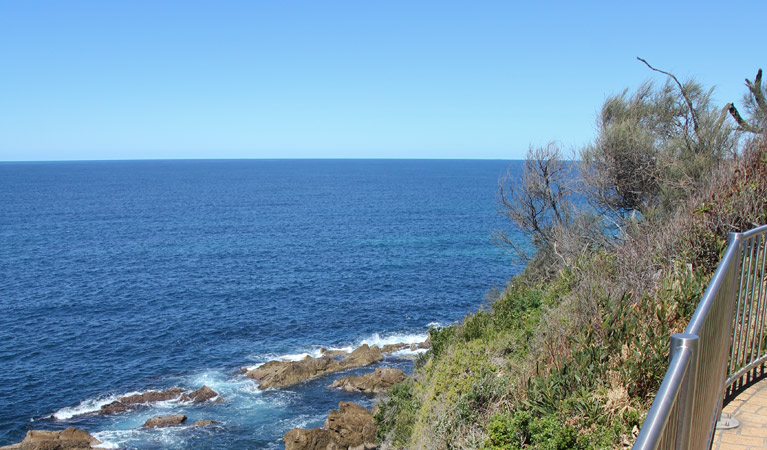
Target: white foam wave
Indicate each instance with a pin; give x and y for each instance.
(254, 366)
(298, 356)
(314, 352)
(93, 405)
(407, 352)
(88, 406)
(377, 339)
(168, 437)
(105, 443)
(224, 384)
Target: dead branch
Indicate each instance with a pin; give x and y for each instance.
(684, 95)
(756, 90)
(745, 126)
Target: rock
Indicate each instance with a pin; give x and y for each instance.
(391, 348)
(362, 356)
(314, 439)
(165, 421)
(113, 408)
(371, 383)
(332, 353)
(286, 373)
(130, 401)
(205, 423)
(351, 426)
(153, 396)
(126, 403)
(200, 395)
(70, 439)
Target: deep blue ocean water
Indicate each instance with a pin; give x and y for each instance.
(126, 276)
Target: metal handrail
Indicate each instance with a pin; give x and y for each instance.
(723, 342)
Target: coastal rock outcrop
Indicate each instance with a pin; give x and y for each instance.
(200, 395)
(172, 420)
(314, 439)
(351, 426)
(333, 353)
(205, 423)
(286, 373)
(132, 401)
(392, 348)
(370, 383)
(69, 439)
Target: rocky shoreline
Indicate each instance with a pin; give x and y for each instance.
(377, 382)
(351, 426)
(70, 439)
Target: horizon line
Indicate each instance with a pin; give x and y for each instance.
(319, 158)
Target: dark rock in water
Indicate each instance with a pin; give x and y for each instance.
(286, 373)
(391, 348)
(113, 408)
(126, 403)
(69, 439)
(371, 383)
(152, 396)
(351, 426)
(165, 421)
(362, 356)
(205, 423)
(200, 395)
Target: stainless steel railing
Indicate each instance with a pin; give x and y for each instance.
(723, 342)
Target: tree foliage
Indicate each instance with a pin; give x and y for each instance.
(653, 146)
(755, 101)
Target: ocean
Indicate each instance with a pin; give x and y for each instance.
(119, 277)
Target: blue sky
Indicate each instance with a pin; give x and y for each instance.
(356, 79)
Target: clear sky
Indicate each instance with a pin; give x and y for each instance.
(344, 79)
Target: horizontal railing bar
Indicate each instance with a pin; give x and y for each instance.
(754, 231)
(745, 370)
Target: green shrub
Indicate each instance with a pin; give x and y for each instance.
(396, 414)
(523, 430)
(440, 338)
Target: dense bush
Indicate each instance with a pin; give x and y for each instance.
(570, 356)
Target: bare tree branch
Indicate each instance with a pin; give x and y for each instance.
(756, 90)
(686, 99)
(745, 126)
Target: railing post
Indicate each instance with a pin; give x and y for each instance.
(720, 421)
(686, 400)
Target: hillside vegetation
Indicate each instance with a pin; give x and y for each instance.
(571, 353)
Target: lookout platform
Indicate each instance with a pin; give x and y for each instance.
(749, 407)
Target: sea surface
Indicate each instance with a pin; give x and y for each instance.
(128, 276)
